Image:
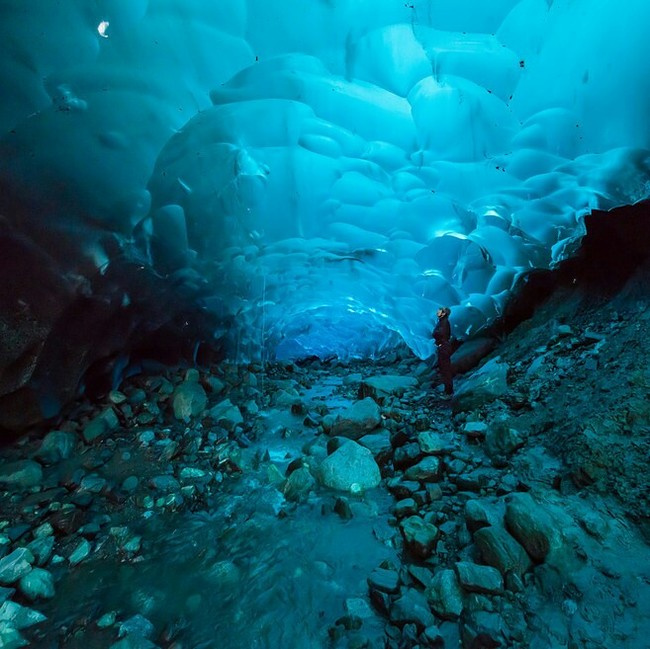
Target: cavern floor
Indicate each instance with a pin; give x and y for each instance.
(199, 509)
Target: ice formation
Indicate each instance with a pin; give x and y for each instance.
(334, 170)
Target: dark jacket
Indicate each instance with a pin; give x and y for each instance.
(442, 332)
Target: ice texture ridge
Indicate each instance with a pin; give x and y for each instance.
(330, 172)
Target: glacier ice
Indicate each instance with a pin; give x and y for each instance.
(334, 170)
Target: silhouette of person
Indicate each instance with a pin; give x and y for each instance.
(442, 338)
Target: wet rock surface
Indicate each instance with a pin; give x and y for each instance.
(323, 506)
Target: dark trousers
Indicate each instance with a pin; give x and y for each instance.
(444, 367)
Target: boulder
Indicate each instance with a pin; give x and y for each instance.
(350, 468)
(419, 536)
(15, 566)
(379, 445)
(438, 444)
(189, 400)
(23, 474)
(37, 584)
(299, 484)
(387, 581)
(380, 387)
(19, 617)
(362, 417)
(427, 470)
(56, 446)
(531, 525)
(106, 422)
(479, 579)
(411, 608)
(500, 550)
(502, 440)
(445, 595)
(483, 386)
(226, 414)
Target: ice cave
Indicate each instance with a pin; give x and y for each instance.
(262, 185)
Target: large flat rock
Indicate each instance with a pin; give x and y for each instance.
(382, 386)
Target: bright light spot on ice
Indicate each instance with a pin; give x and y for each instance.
(102, 27)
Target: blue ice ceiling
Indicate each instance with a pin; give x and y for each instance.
(334, 170)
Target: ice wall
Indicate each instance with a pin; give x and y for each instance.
(329, 171)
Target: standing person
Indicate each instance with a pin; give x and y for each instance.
(442, 337)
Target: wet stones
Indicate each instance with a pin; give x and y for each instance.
(483, 386)
(381, 387)
(531, 525)
(419, 535)
(37, 584)
(15, 566)
(350, 468)
(427, 470)
(299, 485)
(362, 417)
(23, 474)
(445, 595)
(56, 446)
(103, 424)
(474, 578)
(226, 415)
(189, 399)
(384, 580)
(438, 444)
(500, 550)
(411, 607)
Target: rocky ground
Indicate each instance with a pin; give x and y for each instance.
(518, 512)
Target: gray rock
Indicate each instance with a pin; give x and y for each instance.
(285, 398)
(80, 552)
(478, 515)
(362, 417)
(350, 468)
(37, 584)
(226, 414)
(165, 483)
(439, 444)
(387, 581)
(405, 507)
(531, 525)
(299, 484)
(189, 400)
(56, 446)
(20, 617)
(483, 629)
(427, 470)
(104, 423)
(137, 625)
(130, 484)
(380, 387)
(500, 550)
(479, 579)
(23, 474)
(503, 440)
(412, 607)
(10, 637)
(483, 386)
(92, 483)
(378, 444)
(419, 536)
(41, 549)
(403, 488)
(475, 429)
(407, 455)
(15, 566)
(6, 593)
(475, 480)
(445, 595)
